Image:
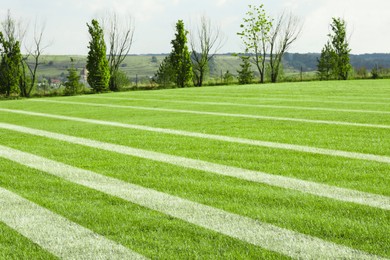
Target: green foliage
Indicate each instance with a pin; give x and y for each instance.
(177, 67)
(165, 74)
(256, 27)
(11, 59)
(153, 59)
(73, 86)
(97, 63)
(335, 61)
(379, 72)
(228, 78)
(326, 62)
(180, 57)
(121, 79)
(245, 74)
(341, 48)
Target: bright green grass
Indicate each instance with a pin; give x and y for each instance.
(159, 236)
(15, 246)
(148, 232)
(348, 138)
(360, 175)
(343, 223)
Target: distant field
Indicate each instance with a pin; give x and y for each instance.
(133, 65)
(293, 170)
(143, 67)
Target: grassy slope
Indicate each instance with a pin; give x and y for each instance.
(156, 235)
(141, 65)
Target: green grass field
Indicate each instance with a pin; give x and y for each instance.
(293, 170)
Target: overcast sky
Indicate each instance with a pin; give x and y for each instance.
(66, 30)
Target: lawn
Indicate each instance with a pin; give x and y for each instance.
(292, 170)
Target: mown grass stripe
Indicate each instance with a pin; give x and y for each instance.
(55, 233)
(246, 105)
(292, 147)
(300, 120)
(265, 235)
(323, 190)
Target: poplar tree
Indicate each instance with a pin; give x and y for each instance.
(335, 61)
(180, 57)
(97, 63)
(11, 59)
(342, 65)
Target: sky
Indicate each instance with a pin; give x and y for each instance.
(368, 22)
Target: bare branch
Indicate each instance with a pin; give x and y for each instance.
(119, 33)
(283, 34)
(205, 44)
(35, 52)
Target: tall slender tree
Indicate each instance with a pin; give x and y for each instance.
(11, 57)
(342, 65)
(97, 63)
(335, 61)
(180, 57)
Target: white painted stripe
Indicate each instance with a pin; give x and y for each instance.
(292, 147)
(244, 105)
(218, 114)
(266, 98)
(262, 234)
(323, 190)
(54, 233)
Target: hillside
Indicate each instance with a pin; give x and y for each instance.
(143, 67)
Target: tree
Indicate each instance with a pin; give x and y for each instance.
(10, 66)
(341, 49)
(180, 57)
(165, 74)
(284, 32)
(97, 63)
(255, 36)
(245, 74)
(326, 62)
(73, 85)
(29, 70)
(11, 57)
(334, 61)
(204, 44)
(120, 34)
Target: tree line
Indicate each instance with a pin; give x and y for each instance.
(266, 41)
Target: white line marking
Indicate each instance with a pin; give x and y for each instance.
(56, 234)
(266, 98)
(220, 114)
(292, 147)
(244, 105)
(318, 189)
(262, 234)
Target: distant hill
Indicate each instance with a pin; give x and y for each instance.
(308, 61)
(143, 67)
